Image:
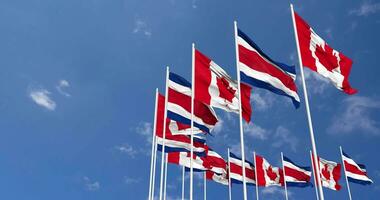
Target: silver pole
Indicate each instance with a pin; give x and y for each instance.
(240, 113)
(166, 175)
(256, 179)
(307, 105)
(315, 180)
(283, 169)
(229, 176)
(192, 120)
(152, 159)
(183, 182)
(164, 135)
(345, 173)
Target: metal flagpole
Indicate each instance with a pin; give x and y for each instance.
(229, 175)
(204, 186)
(345, 174)
(240, 113)
(315, 180)
(283, 169)
(192, 120)
(154, 166)
(152, 160)
(164, 135)
(166, 175)
(307, 106)
(183, 182)
(256, 179)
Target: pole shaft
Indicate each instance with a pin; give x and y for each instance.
(229, 175)
(183, 182)
(345, 174)
(314, 148)
(256, 179)
(164, 134)
(192, 120)
(283, 169)
(166, 175)
(204, 186)
(315, 180)
(152, 160)
(240, 113)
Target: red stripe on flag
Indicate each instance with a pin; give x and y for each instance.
(202, 78)
(353, 169)
(296, 174)
(254, 61)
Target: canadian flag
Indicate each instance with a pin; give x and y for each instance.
(330, 174)
(268, 175)
(214, 87)
(320, 57)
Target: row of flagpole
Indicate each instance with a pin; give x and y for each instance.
(163, 175)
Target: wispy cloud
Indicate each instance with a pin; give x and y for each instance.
(256, 131)
(328, 32)
(130, 180)
(316, 84)
(262, 100)
(142, 28)
(274, 190)
(194, 4)
(91, 185)
(356, 115)
(62, 85)
(366, 8)
(41, 97)
(127, 149)
(283, 136)
(145, 129)
(218, 127)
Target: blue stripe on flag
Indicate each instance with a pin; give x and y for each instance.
(287, 68)
(288, 160)
(184, 120)
(346, 155)
(194, 170)
(178, 149)
(234, 156)
(240, 182)
(298, 184)
(264, 85)
(361, 182)
(179, 79)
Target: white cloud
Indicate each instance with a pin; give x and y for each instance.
(62, 84)
(127, 149)
(328, 32)
(274, 190)
(256, 131)
(145, 129)
(194, 4)
(218, 127)
(315, 83)
(91, 185)
(356, 115)
(41, 97)
(141, 27)
(283, 137)
(366, 8)
(129, 180)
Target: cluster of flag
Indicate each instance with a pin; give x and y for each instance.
(185, 114)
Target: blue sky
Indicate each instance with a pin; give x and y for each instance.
(77, 88)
